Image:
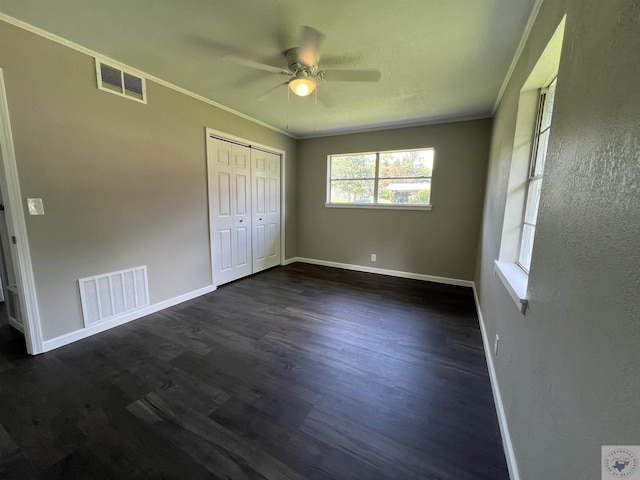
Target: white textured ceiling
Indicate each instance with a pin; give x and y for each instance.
(440, 59)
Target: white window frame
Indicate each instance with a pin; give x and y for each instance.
(538, 153)
(507, 266)
(376, 179)
(514, 274)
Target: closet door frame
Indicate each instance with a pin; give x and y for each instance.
(243, 141)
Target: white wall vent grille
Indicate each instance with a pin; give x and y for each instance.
(114, 79)
(111, 295)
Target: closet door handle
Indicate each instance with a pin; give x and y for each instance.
(241, 220)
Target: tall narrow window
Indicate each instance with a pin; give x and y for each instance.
(534, 184)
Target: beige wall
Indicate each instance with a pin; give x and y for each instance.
(123, 184)
(440, 242)
(568, 369)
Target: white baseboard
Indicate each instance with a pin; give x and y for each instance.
(289, 261)
(101, 327)
(510, 455)
(382, 271)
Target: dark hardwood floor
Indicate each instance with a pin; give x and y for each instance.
(298, 372)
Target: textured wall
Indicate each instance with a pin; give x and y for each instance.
(568, 369)
(123, 184)
(441, 242)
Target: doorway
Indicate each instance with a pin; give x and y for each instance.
(21, 303)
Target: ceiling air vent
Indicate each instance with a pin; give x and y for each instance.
(114, 79)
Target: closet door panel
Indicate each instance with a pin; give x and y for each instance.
(230, 207)
(272, 217)
(259, 209)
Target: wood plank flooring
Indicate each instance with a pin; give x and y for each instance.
(299, 372)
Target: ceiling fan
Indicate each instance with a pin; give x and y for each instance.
(302, 66)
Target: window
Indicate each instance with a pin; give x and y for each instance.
(392, 179)
(534, 184)
(528, 158)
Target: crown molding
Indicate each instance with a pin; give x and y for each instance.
(516, 56)
(87, 51)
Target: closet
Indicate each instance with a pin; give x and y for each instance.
(244, 206)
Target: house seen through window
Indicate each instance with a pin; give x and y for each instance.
(393, 178)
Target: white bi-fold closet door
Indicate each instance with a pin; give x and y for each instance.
(244, 201)
(265, 209)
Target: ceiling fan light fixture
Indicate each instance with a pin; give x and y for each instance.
(302, 86)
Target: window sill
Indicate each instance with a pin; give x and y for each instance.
(377, 206)
(515, 281)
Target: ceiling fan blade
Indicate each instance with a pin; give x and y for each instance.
(247, 62)
(310, 42)
(270, 91)
(350, 75)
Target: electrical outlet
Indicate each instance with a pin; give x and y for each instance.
(373, 257)
(495, 345)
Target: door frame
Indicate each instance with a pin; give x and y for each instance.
(283, 163)
(16, 225)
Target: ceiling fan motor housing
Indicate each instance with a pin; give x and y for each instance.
(296, 67)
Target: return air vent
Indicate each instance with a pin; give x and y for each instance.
(111, 295)
(112, 78)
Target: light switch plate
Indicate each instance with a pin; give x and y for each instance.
(35, 206)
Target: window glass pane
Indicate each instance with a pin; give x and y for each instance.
(541, 153)
(352, 191)
(353, 166)
(548, 106)
(526, 247)
(533, 201)
(416, 163)
(415, 191)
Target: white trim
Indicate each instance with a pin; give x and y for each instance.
(79, 48)
(289, 261)
(21, 255)
(283, 207)
(71, 337)
(209, 212)
(384, 271)
(250, 143)
(395, 126)
(515, 280)
(374, 128)
(510, 455)
(516, 57)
